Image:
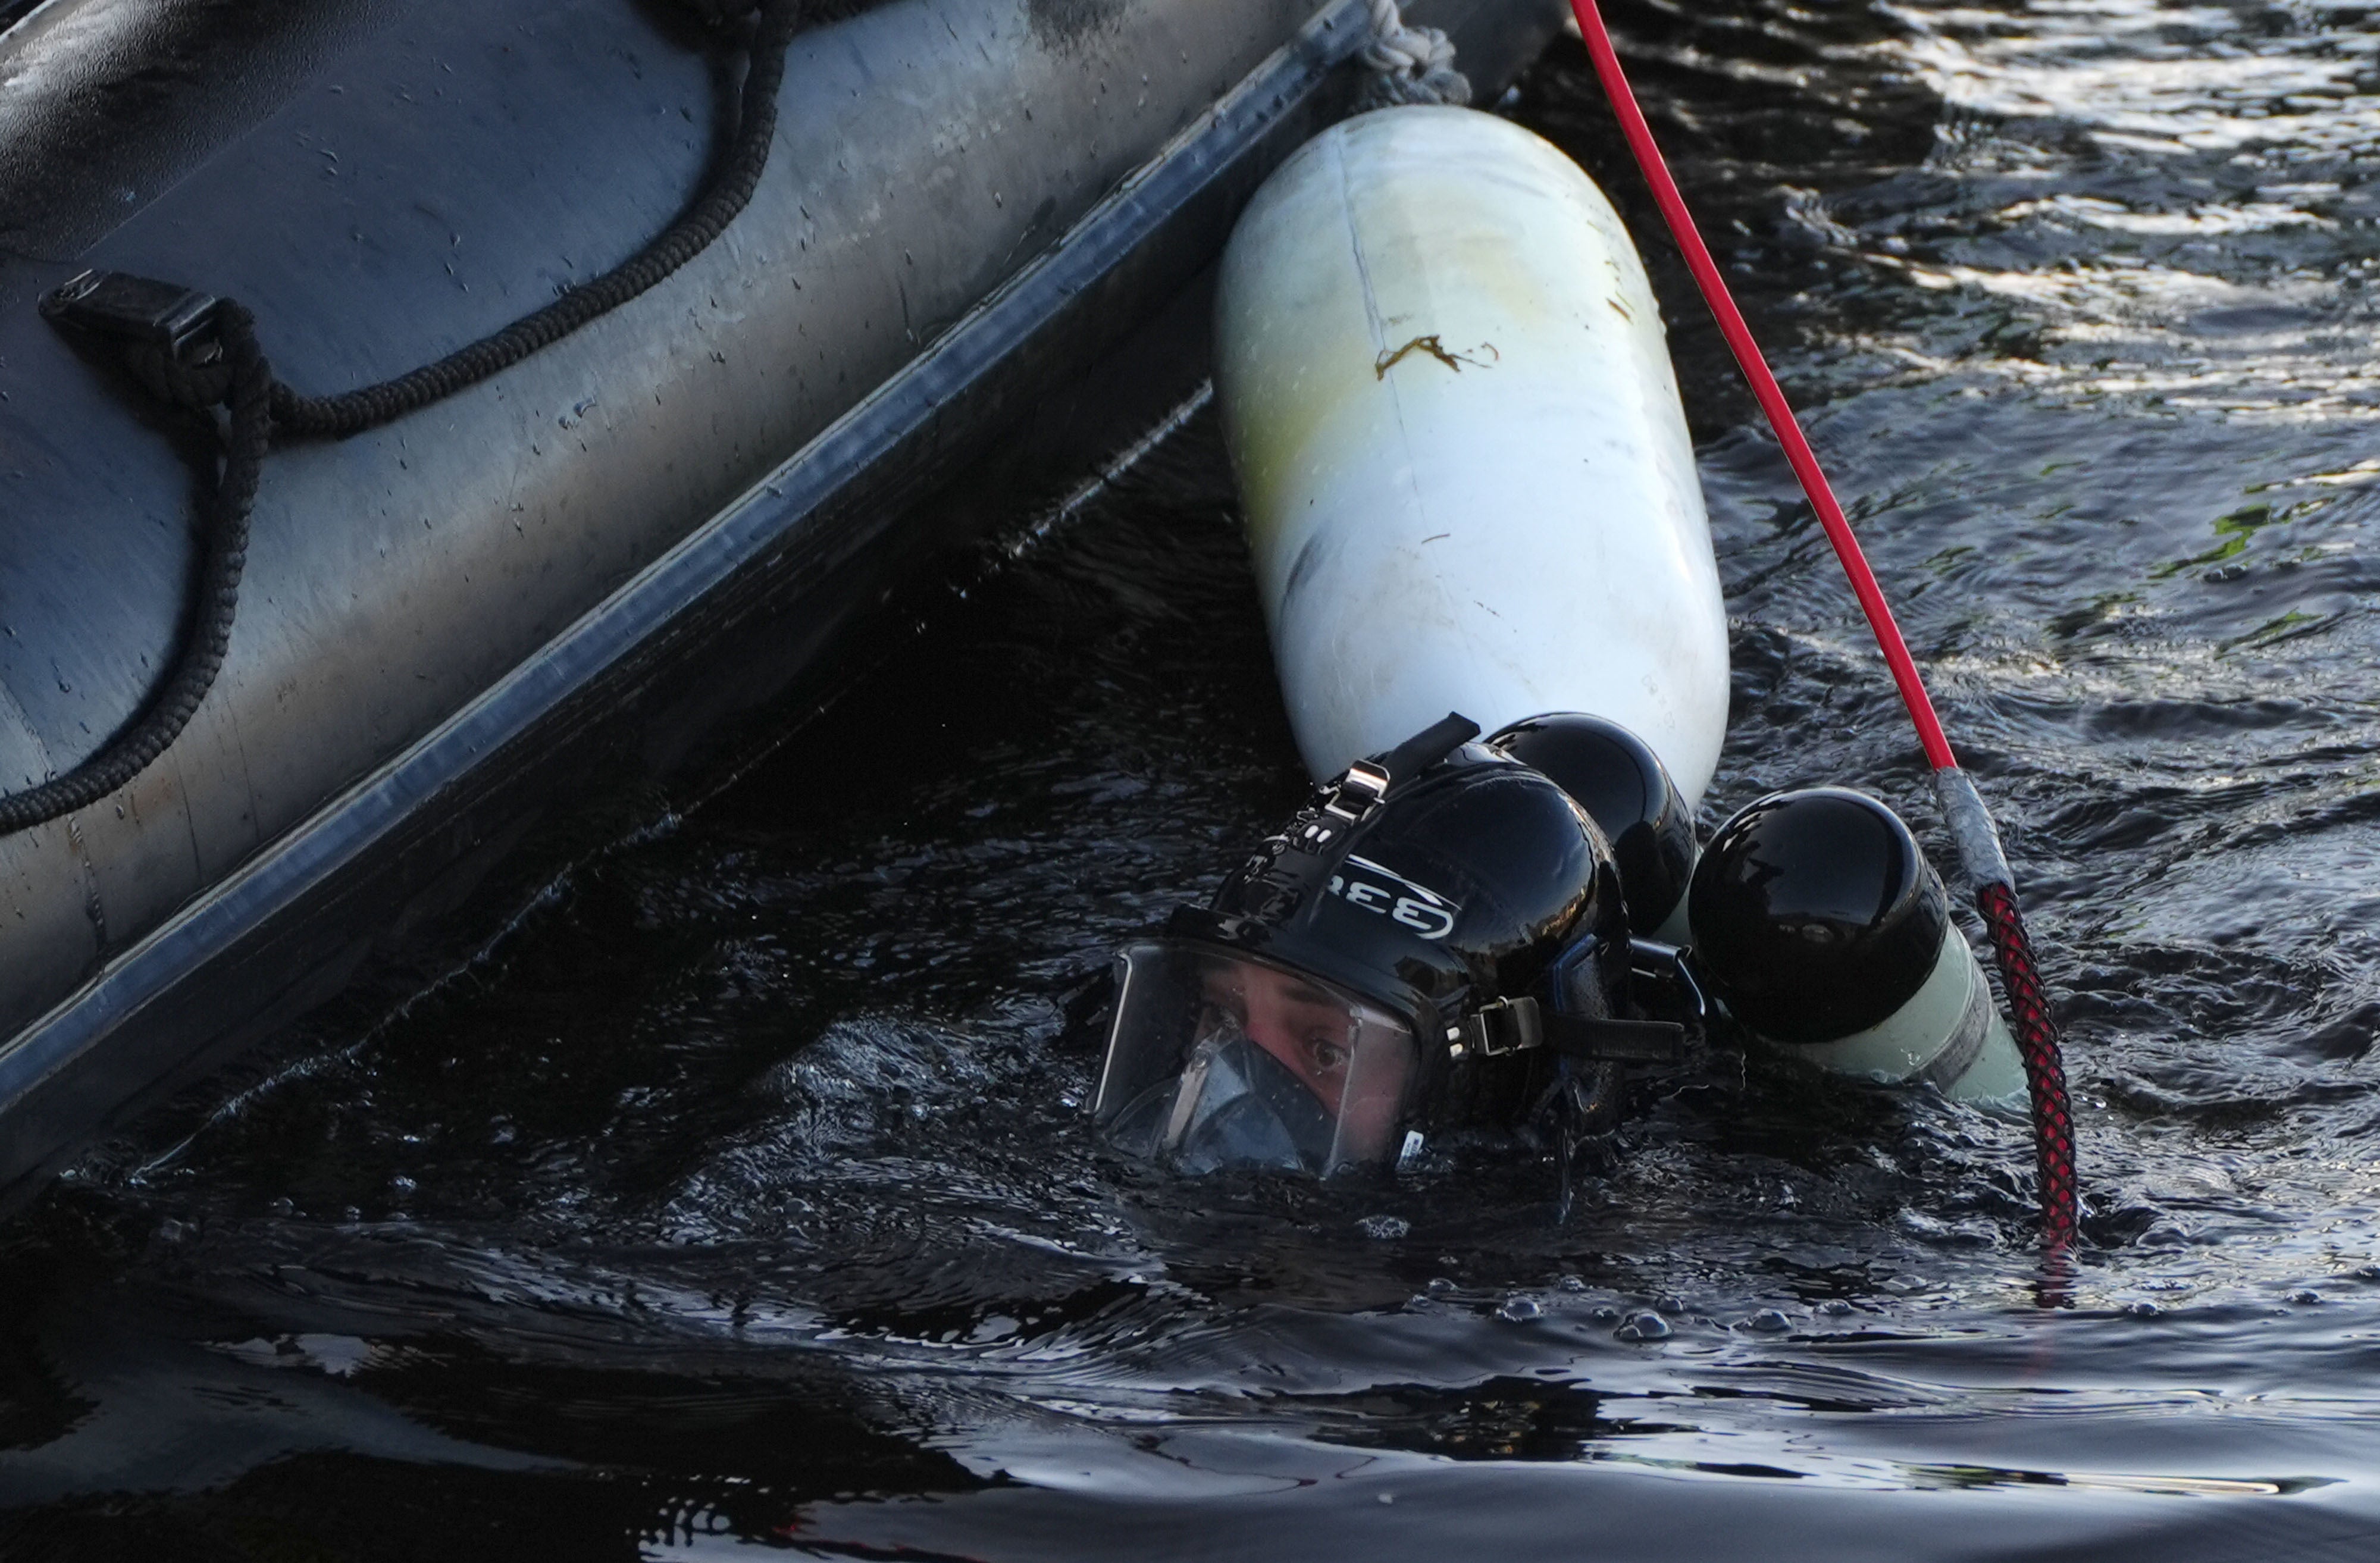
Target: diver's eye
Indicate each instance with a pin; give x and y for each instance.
(1226, 1005)
(1327, 1052)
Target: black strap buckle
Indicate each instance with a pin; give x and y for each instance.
(1499, 1026)
(133, 309)
(1514, 1025)
(1672, 971)
(1341, 806)
(1359, 792)
(1339, 809)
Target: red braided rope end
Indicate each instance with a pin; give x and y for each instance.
(2045, 1066)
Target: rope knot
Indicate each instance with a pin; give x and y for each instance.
(171, 377)
(1409, 65)
(171, 336)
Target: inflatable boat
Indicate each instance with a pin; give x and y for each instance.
(984, 233)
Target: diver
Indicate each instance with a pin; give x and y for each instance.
(1462, 933)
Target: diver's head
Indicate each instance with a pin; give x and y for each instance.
(1412, 950)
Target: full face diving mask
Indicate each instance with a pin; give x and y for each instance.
(1217, 1058)
(1439, 916)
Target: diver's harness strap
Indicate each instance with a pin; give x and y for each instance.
(1514, 1025)
(1344, 804)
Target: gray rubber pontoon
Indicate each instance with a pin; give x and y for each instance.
(576, 572)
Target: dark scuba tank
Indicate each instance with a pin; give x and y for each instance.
(1817, 922)
(1625, 789)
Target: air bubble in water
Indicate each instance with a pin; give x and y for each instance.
(1643, 1326)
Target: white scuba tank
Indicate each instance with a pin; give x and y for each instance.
(1817, 922)
(1948, 1034)
(1467, 480)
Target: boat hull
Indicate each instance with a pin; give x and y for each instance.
(566, 581)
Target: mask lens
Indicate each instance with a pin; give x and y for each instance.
(1218, 1059)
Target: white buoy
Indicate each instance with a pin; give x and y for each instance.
(1467, 480)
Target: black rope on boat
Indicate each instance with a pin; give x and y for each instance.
(246, 389)
(196, 352)
(731, 189)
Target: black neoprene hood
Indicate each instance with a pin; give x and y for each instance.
(1463, 886)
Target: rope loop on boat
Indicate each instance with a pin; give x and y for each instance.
(729, 193)
(1409, 65)
(243, 382)
(196, 352)
(174, 380)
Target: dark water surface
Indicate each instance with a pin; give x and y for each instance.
(741, 1195)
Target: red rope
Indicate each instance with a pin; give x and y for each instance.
(1764, 386)
(2044, 1067)
(2036, 1027)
